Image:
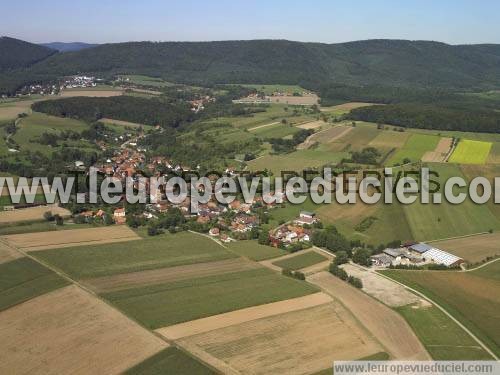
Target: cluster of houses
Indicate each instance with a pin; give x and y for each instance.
(417, 254)
(118, 217)
(299, 230)
(77, 81)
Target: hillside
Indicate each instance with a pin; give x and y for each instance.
(15, 54)
(393, 63)
(67, 47)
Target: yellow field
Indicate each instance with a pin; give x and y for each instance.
(32, 213)
(471, 152)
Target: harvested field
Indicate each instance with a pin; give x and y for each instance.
(347, 106)
(384, 290)
(311, 125)
(440, 152)
(164, 275)
(10, 110)
(31, 213)
(298, 342)
(7, 253)
(91, 93)
(68, 331)
(474, 248)
(383, 322)
(71, 237)
(212, 323)
(389, 139)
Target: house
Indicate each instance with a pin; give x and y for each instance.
(119, 212)
(381, 260)
(306, 218)
(214, 232)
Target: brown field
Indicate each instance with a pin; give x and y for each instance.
(68, 331)
(298, 342)
(7, 253)
(383, 322)
(295, 100)
(474, 248)
(440, 152)
(31, 213)
(166, 275)
(383, 289)
(91, 93)
(144, 91)
(232, 318)
(121, 123)
(390, 139)
(311, 125)
(71, 237)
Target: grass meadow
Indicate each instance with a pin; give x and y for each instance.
(301, 261)
(254, 251)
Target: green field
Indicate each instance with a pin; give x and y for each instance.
(254, 251)
(471, 297)
(278, 130)
(23, 279)
(161, 305)
(442, 337)
(146, 81)
(158, 252)
(170, 361)
(471, 152)
(270, 89)
(438, 221)
(415, 147)
(301, 261)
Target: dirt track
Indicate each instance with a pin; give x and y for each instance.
(71, 237)
(31, 213)
(165, 275)
(383, 322)
(68, 331)
(298, 342)
(211, 323)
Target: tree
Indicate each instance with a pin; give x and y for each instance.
(264, 238)
(47, 215)
(59, 219)
(362, 256)
(341, 257)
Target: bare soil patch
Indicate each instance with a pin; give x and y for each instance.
(298, 342)
(31, 213)
(166, 275)
(68, 331)
(325, 136)
(122, 123)
(212, 323)
(71, 237)
(383, 322)
(439, 154)
(474, 248)
(383, 289)
(91, 93)
(347, 106)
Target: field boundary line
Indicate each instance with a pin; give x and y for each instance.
(481, 265)
(263, 126)
(458, 237)
(483, 345)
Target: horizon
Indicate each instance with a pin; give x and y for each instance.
(451, 22)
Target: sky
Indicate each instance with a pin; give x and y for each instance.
(328, 21)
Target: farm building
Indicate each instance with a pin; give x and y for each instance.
(442, 257)
(419, 253)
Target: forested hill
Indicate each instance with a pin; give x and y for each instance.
(391, 63)
(15, 54)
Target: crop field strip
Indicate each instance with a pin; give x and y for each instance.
(22, 279)
(469, 296)
(301, 261)
(70, 238)
(30, 214)
(70, 331)
(415, 148)
(201, 297)
(254, 251)
(304, 340)
(133, 256)
(472, 248)
(390, 329)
